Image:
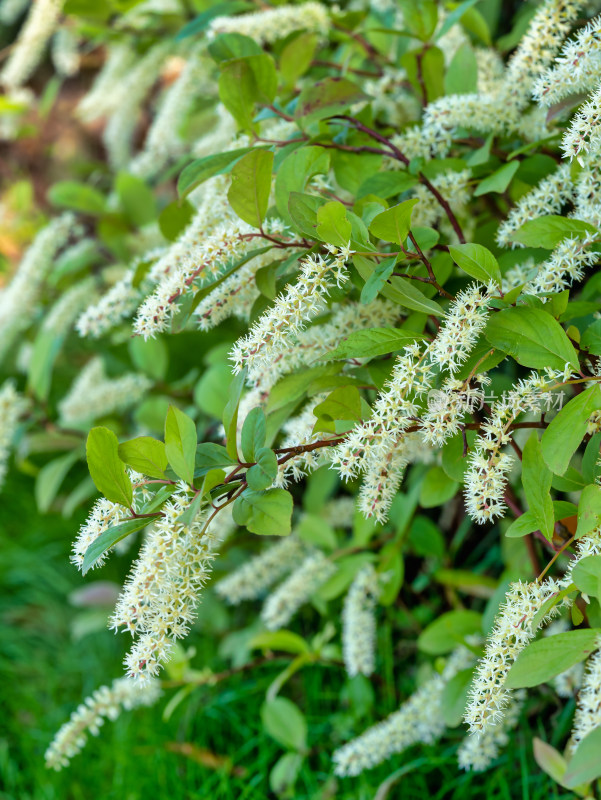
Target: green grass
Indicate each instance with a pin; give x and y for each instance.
(46, 672)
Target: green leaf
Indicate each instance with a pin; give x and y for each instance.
(399, 290)
(387, 184)
(420, 19)
(296, 57)
(251, 183)
(473, 22)
(316, 531)
(589, 510)
(180, 443)
(294, 173)
(532, 337)
(78, 196)
(549, 656)
(585, 765)
(371, 342)
(377, 280)
(230, 413)
(587, 575)
(136, 198)
(245, 81)
(425, 538)
(210, 455)
(536, 480)
(454, 17)
(213, 478)
(461, 76)
(302, 212)
(447, 631)
(333, 225)
(566, 430)
(454, 462)
(393, 224)
(499, 180)
(265, 470)
(405, 293)
(392, 566)
(526, 523)
(477, 261)
(211, 393)
(174, 219)
(150, 356)
(436, 488)
(202, 169)
(145, 455)
(549, 760)
(284, 773)
(454, 697)
(110, 537)
(346, 570)
(50, 478)
(192, 511)
(591, 338)
(342, 403)
(46, 348)
(326, 98)
(292, 387)
(106, 468)
(284, 721)
(266, 513)
(549, 230)
(227, 46)
(283, 640)
(252, 437)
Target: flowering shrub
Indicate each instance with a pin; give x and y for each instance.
(332, 285)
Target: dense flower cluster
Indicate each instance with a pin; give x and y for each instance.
(105, 703)
(225, 138)
(418, 720)
(359, 623)
(12, 406)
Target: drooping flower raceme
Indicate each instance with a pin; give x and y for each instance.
(485, 478)
(512, 632)
(283, 603)
(115, 305)
(464, 321)
(547, 197)
(164, 139)
(158, 602)
(254, 578)
(576, 69)
(12, 406)
(98, 100)
(418, 720)
(28, 50)
(301, 302)
(19, 300)
(65, 55)
(479, 750)
(203, 262)
(448, 406)
(359, 623)
(588, 710)
(93, 394)
(103, 515)
(105, 703)
(274, 23)
(126, 101)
